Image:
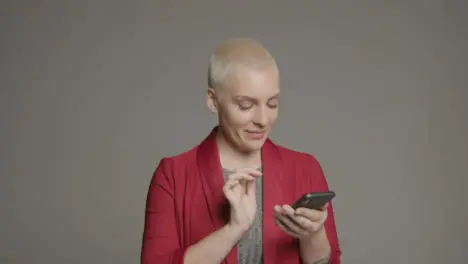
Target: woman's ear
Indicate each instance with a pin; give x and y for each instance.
(211, 100)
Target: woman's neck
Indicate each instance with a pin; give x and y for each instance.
(233, 159)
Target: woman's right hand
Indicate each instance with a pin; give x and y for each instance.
(239, 190)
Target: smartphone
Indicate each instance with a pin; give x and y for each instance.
(314, 200)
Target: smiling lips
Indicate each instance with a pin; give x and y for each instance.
(256, 135)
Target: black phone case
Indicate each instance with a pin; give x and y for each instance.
(315, 200)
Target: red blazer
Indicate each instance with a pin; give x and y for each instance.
(185, 203)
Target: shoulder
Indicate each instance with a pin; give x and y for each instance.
(169, 171)
(180, 161)
(304, 166)
(298, 158)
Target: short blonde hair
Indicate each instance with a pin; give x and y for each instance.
(235, 52)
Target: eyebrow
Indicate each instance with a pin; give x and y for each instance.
(245, 97)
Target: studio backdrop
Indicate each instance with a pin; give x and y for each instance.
(94, 93)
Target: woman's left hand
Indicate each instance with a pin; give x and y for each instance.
(302, 222)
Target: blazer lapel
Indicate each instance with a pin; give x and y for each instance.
(276, 191)
(212, 179)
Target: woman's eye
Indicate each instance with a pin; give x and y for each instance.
(273, 103)
(245, 106)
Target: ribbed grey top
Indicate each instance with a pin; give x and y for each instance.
(249, 247)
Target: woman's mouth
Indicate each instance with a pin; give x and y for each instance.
(256, 135)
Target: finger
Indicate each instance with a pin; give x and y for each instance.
(251, 188)
(299, 220)
(229, 184)
(312, 215)
(227, 189)
(240, 176)
(278, 209)
(233, 183)
(284, 211)
(303, 222)
(290, 224)
(283, 227)
(252, 172)
(324, 207)
(289, 210)
(304, 225)
(290, 227)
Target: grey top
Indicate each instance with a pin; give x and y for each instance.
(249, 247)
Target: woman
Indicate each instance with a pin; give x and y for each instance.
(227, 199)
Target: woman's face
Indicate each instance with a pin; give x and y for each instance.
(248, 107)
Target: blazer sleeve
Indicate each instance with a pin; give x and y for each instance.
(160, 243)
(330, 226)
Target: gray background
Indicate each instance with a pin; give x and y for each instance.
(94, 93)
